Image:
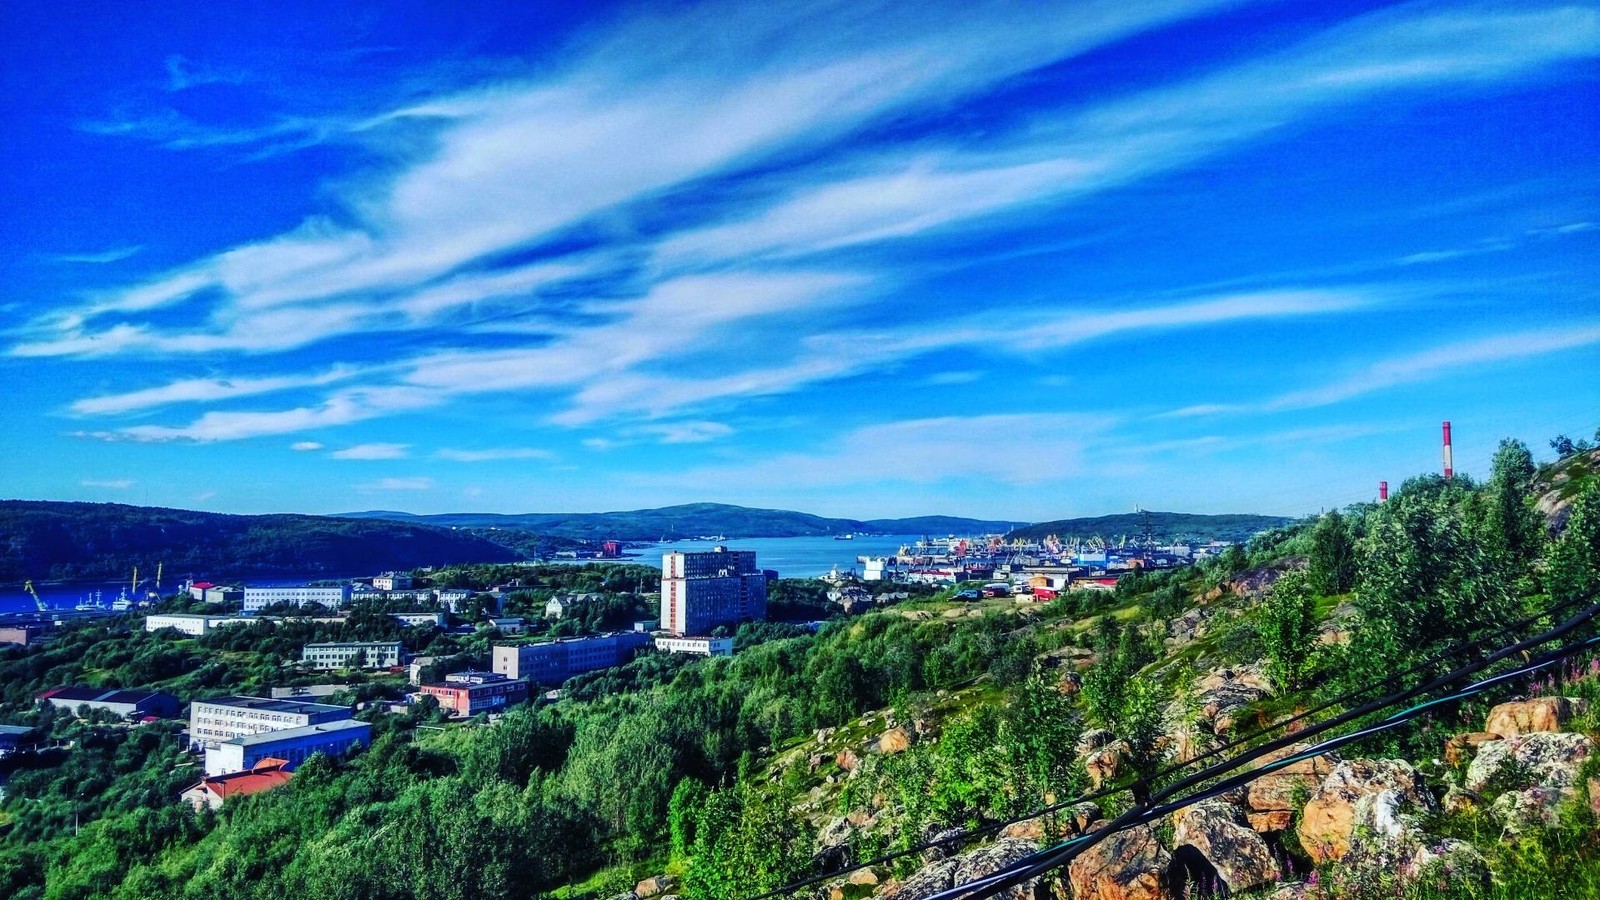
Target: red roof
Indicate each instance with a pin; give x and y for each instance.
(268, 774)
(202, 584)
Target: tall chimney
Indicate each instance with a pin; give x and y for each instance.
(1383, 491)
(1449, 463)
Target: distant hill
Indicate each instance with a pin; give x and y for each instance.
(1166, 526)
(46, 540)
(695, 520)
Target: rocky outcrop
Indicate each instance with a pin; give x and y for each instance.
(652, 887)
(945, 873)
(895, 740)
(1329, 818)
(1217, 829)
(1389, 846)
(1129, 865)
(1529, 776)
(1271, 798)
(1103, 755)
(1462, 747)
(1222, 693)
(1510, 720)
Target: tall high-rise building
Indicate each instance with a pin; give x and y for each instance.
(700, 591)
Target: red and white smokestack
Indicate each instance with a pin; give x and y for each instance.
(1383, 491)
(1449, 462)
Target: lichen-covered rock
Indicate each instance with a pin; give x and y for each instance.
(651, 887)
(1222, 693)
(1458, 800)
(1461, 747)
(1528, 716)
(1541, 759)
(1129, 865)
(945, 873)
(1217, 829)
(1526, 809)
(1329, 816)
(895, 740)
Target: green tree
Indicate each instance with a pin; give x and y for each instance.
(1332, 562)
(1574, 570)
(1287, 624)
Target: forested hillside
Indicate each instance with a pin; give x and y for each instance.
(937, 719)
(45, 540)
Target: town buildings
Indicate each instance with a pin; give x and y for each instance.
(700, 646)
(223, 718)
(30, 634)
(553, 662)
(702, 591)
(256, 599)
(352, 655)
(414, 619)
(210, 793)
(195, 624)
(128, 704)
(469, 693)
(15, 737)
(292, 746)
(392, 581)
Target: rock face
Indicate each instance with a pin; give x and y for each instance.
(1527, 716)
(1329, 818)
(1130, 865)
(1102, 755)
(1218, 831)
(1462, 746)
(1271, 797)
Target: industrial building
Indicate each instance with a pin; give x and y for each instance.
(352, 655)
(223, 718)
(392, 581)
(699, 646)
(702, 591)
(128, 704)
(291, 745)
(553, 662)
(14, 738)
(194, 624)
(256, 599)
(466, 694)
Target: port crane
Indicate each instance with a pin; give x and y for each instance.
(28, 586)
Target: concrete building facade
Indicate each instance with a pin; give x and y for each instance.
(291, 745)
(195, 624)
(352, 655)
(466, 694)
(699, 646)
(159, 704)
(553, 662)
(702, 591)
(256, 599)
(223, 718)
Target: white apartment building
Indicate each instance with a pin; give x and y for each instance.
(223, 718)
(352, 655)
(413, 619)
(392, 581)
(701, 591)
(699, 646)
(256, 599)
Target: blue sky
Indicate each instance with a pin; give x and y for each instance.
(1019, 260)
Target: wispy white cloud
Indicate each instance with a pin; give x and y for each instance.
(114, 484)
(373, 451)
(1415, 368)
(184, 73)
(197, 390)
(305, 446)
(115, 254)
(493, 454)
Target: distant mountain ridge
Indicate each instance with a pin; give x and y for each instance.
(695, 520)
(1164, 526)
(49, 540)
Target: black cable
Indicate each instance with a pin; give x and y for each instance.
(1176, 767)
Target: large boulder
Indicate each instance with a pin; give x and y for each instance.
(895, 740)
(1271, 798)
(1103, 755)
(651, 887)
(1329, 818)
(1218, 831)
(1527, 716)
(943, 874)
(1129, 865)
(1533, 774)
